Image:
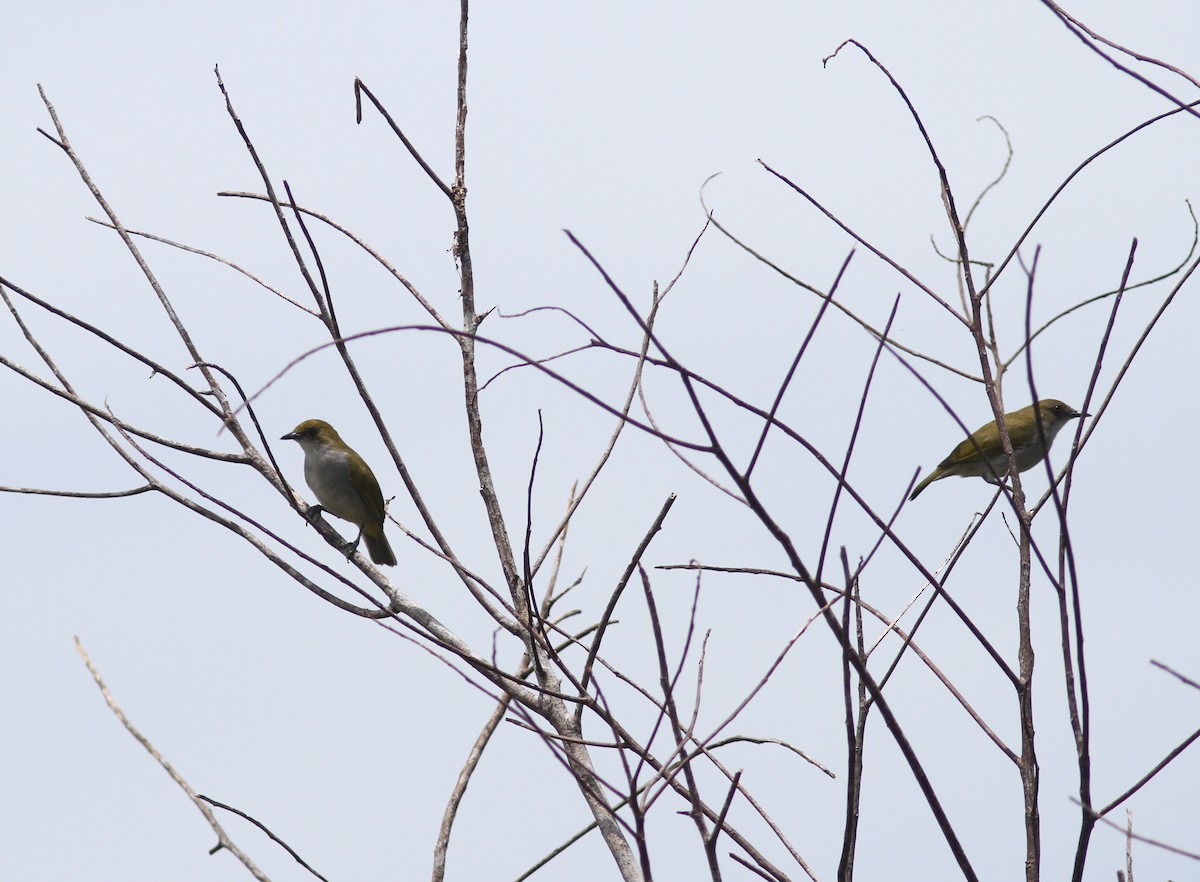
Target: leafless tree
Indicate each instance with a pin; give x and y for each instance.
(629, 758)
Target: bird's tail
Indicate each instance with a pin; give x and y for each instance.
(933, 476)
(378, 547)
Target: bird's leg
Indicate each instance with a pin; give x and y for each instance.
(350, 547)
(1000, 476)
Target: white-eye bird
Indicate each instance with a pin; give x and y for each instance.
(982, 454)
(344, 485)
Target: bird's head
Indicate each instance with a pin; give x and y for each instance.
(1055, 414)
(314, 434)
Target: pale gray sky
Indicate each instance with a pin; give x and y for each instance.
(604, 120)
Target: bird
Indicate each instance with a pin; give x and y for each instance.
(344, 485)
(982, 454)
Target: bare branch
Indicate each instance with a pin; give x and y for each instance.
(1129, 287)
(191, 249)
(586, 676)
(1016, 247)
(1145, 779)
(1079, 29)
(223, 840)
(846, 311)
(78, 494)
(1146, 839)
(947, 193)
(361, 89)
(112, 341)
(1174, 673)
(261, 826)
(180, 330)
(791, 372)
(375, 255)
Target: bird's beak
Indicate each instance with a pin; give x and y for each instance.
(290, 436)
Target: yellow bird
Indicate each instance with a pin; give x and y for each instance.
(344, 485)
(982, 455)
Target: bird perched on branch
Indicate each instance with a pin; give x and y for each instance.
(344, 485)
(982, 454)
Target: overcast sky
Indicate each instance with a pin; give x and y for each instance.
(604, 120)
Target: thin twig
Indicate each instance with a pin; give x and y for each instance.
(586, 676)
(1146, 839)
(361, 89)
(223, 840)
(191, 249)
(261, 826)
(1175, 673)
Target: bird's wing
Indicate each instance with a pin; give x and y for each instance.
(371, 495)
(981, 439)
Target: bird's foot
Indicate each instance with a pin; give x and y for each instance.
(350, 548)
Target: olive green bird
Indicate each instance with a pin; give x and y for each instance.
(344, 485)
(982, 454)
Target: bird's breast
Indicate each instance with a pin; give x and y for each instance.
(328, 475)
